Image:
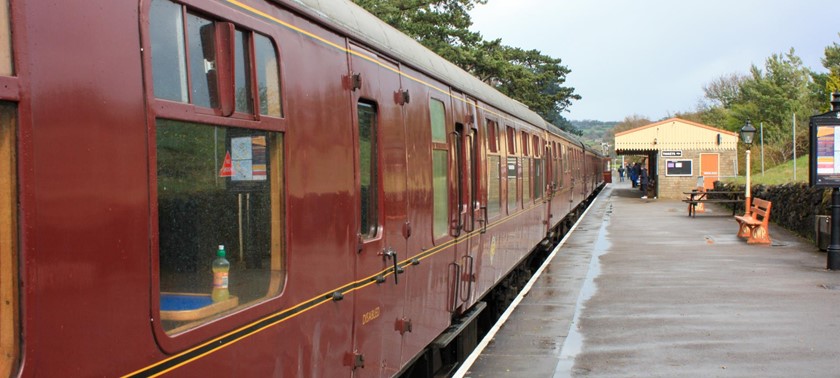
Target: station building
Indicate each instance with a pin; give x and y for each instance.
(677, 153)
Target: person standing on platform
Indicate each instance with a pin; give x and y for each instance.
(631, 171)
(620, 173)
(643, 182)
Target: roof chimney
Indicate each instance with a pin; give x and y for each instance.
(835, 102)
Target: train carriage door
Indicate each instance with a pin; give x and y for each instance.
(462, 219)
(381, 193)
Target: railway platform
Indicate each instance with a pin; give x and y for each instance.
(639, 289)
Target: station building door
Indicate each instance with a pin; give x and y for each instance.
(710, 169)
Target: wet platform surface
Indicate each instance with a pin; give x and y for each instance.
(642, 290)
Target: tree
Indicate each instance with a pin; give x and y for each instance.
(440, 25)
(528, 76)
(831, 61)
(630, 122)
(724, 90)
(773, 95)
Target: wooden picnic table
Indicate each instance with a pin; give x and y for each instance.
(712, 196)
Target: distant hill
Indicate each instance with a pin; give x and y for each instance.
(594, 131)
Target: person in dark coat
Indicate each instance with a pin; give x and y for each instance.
(621, 173)
(637, 174)
(644, 180)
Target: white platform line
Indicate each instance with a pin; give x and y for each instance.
(486, 340)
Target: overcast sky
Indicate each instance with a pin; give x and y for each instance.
(652, 57)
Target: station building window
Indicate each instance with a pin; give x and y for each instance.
(440, 171)
(9, 332)
(217, 183)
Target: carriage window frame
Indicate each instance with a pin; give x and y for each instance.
(369, 216)
(525, 146)
(494, 169)
(492, 136)
(440, 169)
(275, 124)
(512, 171)
(274, 270)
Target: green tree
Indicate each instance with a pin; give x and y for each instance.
(528, 76)
(773, 95)
(831, 61)
(724, 91)
(440, 25)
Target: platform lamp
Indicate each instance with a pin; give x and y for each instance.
(747, 134)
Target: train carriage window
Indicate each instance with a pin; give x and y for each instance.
(511, 141)
(368, 168)
(565, 158)
(494, 192)
(201, 43)
(168, 51)
(185, 67)
(538, 168)
(242, 65)
(440, 169)
(526, 180)
(538, 179)
(525, 144)
(493, 136)
(9, 333)
(217, 186)
(6, 65)
(512, 171)
(268, 77)
(512, 163)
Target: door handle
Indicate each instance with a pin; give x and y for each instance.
(390, 253)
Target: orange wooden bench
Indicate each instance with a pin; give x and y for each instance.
(753, 224)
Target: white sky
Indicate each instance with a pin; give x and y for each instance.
(653, 57)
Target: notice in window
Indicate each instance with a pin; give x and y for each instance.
(249, 158)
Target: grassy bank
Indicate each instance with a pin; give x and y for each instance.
(780, 174)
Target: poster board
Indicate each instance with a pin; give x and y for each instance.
(824, 161)
(678, 167)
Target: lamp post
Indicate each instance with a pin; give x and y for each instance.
(747, 134)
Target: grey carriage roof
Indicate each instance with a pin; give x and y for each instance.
(381, 36)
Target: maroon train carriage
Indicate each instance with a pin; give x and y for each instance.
(371, 197)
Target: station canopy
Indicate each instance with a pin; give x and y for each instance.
(674, 134)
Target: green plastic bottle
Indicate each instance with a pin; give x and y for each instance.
(221, 267)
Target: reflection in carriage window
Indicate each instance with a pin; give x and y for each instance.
(217, 186)
(184, 45)
(201, 34)
(6, 65)
(168, 52)
(268, 77)
(9, 278)
(368, 167)
(242, 78)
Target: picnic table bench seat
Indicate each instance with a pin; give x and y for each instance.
(696, 199)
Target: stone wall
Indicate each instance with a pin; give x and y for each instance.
(795, 206)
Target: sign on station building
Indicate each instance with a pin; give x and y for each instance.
(677, 152)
